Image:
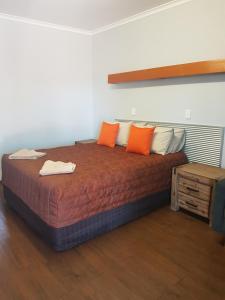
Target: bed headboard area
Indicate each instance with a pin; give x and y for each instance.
(204, 144)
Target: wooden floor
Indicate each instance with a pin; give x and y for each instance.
(165, 255)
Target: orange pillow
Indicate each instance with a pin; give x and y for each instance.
(108, 134)
(140, 140)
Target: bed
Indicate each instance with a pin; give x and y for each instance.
(109, 187)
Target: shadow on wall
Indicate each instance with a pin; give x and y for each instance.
(43, 137)
(170, 81)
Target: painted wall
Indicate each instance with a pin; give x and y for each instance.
(47, 75)
(45, 86)
(190, 32)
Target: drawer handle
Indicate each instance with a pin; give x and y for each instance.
(192, 190)
(191, 204)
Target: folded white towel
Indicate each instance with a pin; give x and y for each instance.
(56, 167)
(26, 154)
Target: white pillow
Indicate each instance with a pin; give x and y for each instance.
(182, 143)
(123, 134)
(161, 140)
(178, 140)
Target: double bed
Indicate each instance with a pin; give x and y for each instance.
(109, 187)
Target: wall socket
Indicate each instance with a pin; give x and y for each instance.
(187, 114)
(133, 111)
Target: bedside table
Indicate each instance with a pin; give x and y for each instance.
(193, 187)
(85, 141)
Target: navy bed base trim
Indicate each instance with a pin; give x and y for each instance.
(67, 237)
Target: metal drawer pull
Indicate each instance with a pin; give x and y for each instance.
(191, 204)
(192, 190)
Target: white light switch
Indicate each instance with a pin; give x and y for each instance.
(187, 114)
(133, 111)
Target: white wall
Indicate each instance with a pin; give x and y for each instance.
(190, 32)
(45, 86)
(46, 75)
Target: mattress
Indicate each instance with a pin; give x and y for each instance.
(104, 179)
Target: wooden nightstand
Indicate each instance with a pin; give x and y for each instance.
(85, 141)
(193, 186)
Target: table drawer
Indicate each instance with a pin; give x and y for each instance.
(193, 204)
(197, 178)
(194, 189)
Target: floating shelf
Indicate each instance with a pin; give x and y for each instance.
(183, 70)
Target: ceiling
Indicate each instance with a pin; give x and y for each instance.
(83, 14)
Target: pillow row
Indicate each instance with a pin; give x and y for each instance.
(139, 140)
(165, 140)
(142, 138)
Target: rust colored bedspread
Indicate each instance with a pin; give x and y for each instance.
(104, 178)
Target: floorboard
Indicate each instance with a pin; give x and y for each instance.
(164, 255)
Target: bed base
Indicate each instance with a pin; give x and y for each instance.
(67, 237)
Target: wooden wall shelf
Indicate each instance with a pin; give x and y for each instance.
(183, 70)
